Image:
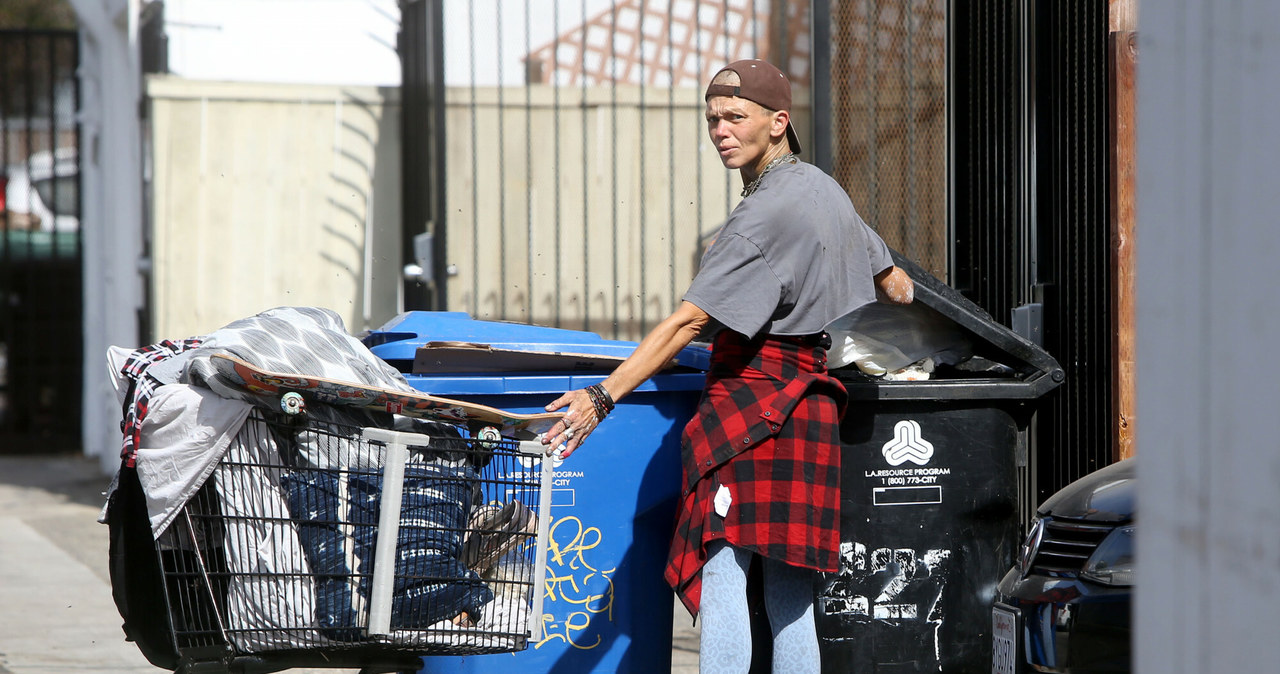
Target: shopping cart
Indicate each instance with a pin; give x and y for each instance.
(317, 542)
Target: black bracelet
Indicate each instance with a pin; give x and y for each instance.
(608, 399)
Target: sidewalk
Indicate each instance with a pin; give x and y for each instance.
(56, 610)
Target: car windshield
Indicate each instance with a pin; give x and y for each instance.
(60, 195)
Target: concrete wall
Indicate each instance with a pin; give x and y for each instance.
(1208, 326)
(266, 195)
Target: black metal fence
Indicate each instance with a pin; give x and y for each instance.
(564, 175)
(1074, 241)
(1031, 227)
(40, 252)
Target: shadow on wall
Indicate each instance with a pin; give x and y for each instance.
(365, 192)
(271, 195)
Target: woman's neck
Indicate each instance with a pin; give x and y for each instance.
(775, 151)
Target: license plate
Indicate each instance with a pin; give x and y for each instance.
(1004, 640)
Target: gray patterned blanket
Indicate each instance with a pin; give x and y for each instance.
(297, 340)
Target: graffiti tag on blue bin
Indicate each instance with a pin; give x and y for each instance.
(578, 592)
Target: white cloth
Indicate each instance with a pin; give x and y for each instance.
(184, 435)
(270, 596)
(116, 358)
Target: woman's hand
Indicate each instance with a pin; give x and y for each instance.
(580, 419)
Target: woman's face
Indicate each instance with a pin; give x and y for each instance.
(741, 130)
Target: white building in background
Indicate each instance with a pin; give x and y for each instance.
(354, 41)
(284, 41)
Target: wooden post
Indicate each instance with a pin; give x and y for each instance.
(1123, 53)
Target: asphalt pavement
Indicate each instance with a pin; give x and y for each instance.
(56, 610)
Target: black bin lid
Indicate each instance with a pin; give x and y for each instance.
(1029, 371)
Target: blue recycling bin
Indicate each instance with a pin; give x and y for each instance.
(606, 607)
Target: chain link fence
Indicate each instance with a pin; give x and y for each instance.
(888, 80)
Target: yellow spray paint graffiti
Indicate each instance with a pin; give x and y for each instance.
(586, 591)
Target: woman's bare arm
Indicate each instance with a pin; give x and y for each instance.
(893, 286)
(653, 353)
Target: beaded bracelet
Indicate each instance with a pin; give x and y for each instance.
(604, 396)
(597, 403)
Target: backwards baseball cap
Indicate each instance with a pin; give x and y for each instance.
(761, 82)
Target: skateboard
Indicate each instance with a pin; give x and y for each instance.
(294, 390)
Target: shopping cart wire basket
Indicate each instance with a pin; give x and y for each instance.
(319, 543)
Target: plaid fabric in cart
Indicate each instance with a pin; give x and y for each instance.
(766, 435)
(136, 403)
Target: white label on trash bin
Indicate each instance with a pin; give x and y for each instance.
(723, 500)
(907, 444)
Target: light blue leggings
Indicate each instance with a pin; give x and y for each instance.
(725, 643)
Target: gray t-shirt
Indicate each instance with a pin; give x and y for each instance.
(792, 257)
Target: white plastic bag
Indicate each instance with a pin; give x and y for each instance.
(883, 338)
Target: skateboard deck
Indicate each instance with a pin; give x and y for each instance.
(333, 392)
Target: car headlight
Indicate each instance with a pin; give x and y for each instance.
(1112, 562)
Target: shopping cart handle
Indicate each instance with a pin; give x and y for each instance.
(384, 556)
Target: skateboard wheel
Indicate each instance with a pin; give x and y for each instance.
(292, 403)
(489, 437)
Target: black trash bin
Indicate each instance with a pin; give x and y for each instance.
(930, 499)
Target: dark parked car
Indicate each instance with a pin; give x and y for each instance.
(1065, 607)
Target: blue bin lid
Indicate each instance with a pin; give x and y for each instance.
(401, 337)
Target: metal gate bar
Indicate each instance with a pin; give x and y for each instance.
(40, 253)
(1031, 207)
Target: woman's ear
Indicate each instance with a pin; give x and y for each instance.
(778, 129)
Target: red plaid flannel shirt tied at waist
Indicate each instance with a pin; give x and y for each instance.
(772, 396)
